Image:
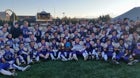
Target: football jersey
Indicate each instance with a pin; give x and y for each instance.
(137, 51)
(77, 47)
(10, 42)
(103, 39)
(25, 32)
(110, 48)
(8, 55)
(122, 48)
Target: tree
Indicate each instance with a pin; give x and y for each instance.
(104, 18)
(13, 17)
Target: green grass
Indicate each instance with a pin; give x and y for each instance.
(79, 69)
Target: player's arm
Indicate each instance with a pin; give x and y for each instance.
(3, 60)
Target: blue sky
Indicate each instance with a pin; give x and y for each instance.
(72, 8)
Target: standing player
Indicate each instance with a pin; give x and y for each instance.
(25, 30)
(38, 33)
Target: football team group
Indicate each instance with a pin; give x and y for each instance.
(109, 41)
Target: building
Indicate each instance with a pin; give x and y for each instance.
(4, 16)
(41, 17)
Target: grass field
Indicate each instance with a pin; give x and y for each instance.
(79, 69)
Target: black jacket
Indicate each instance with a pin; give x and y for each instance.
(15, 32)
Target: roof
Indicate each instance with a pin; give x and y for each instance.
(42, 12)
(132, 14)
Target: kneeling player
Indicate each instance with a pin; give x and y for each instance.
(128, 56)
(43, 49)
(54, 49)
(78, 49)
(136, 55)
(23, 54)
(3, 67)
(8, 60)
(34, 55)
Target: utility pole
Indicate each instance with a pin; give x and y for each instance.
(54, 13)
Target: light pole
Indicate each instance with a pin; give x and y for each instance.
(63, 14)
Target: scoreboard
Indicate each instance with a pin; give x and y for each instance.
(43, 16)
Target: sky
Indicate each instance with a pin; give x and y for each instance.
(70, 8)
